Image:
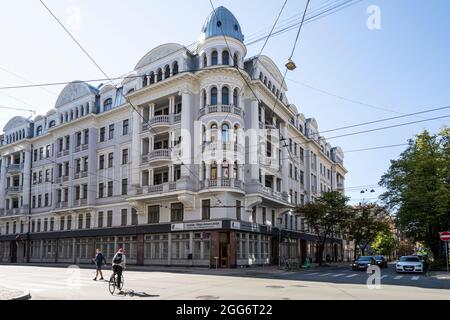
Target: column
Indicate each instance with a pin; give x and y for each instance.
(191, 245)
(254, 141)
(186, 129)
(169, 249)
(151, 111)
(171, 105)
(247, 249)
(92, 164)
(259, 260)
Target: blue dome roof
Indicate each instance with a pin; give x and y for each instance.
(222, 22)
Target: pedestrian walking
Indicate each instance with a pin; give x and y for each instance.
(99, 261)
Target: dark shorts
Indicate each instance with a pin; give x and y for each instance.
(99, 266)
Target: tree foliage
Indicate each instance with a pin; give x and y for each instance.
(418, 189)
(385, 243)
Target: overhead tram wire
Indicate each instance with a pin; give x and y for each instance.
(126, 98)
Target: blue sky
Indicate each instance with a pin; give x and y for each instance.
(404, 66)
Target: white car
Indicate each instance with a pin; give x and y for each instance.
(409, 264)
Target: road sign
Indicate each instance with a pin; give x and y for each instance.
(445, 236)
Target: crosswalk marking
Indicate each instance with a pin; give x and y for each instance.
(313, 274)
(352, 275)
(325, 274)
(382, 277)
(338, 275)
(398, 277)
(415, 278)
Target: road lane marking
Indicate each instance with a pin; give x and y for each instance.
(338, 275)
(312, 274)
(398, 277)
(382, 277)
(325, 274)
(415, 278)
(352, 275)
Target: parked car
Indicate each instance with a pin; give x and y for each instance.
(409, 264)
(363, 262)
(381, 261)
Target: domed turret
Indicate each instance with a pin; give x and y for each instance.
(222, 22)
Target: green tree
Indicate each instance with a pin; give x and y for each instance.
(326, 215)
(367, 221)
(385, 243)
(418, 189)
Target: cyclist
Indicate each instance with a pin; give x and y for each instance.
(118, 265)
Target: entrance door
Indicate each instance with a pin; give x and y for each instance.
(224, 244)
(303, 251)
(13, 252)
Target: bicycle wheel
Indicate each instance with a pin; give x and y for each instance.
(112, 284)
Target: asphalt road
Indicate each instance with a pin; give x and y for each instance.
(325, 283)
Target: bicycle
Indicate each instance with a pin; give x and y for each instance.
(113, 283)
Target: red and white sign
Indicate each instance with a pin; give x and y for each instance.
(445, 236)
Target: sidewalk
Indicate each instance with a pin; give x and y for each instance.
(10, 294)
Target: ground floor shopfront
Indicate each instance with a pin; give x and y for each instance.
(221, 244)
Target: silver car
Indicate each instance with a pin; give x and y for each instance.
(409, 264)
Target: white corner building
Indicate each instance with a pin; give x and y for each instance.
(195, 158)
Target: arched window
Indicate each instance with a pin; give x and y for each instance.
(52, 124)
(167, 71)
(261, 76)
(213, 132)
(225, 136)
(203, 98)
(144, 81)
(71, 114)
(23, 133)
(236, 132)
(214, 171)
(225, 170)
(214, 96)
(236, 98)
(203, 134)
(205, 60)
(175, 68)
(281, 96)
(278, 93)
(66, 117)
(236, 171)
(39, 131)
(225, 96)
(87, 108)
(265, 81)
(107, 104)
(152, 77)
(214, 58)
(270, 85)
(225, 58)
(20, 135)
(159, 76)
(130, 91)
(82, 111)
(76, 113)
(236, 60)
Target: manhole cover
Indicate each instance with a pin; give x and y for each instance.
(208, 297)
(275, 287)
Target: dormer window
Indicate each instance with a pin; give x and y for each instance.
(175, 68)
(52, 124)
(214, 58)
(107, 105)
(225, 57)
(39, 131)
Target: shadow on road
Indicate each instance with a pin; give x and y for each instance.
(132, 293)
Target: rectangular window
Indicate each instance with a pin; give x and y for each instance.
(109, 221)
(264, 216)
(302, 177)
(206, 209)
(47, 151)
(123, 217)
(110, 160)
(69, 222)
(77, 193)
(125, 125)
(67, 142)
(46, 203)
(100, 219)
(85, 191)
(80, 221)
(101, 162)
(61, 223)
(238, 210)
(41, 153)
(124, 186)
(101, 187)
(86, 136)
(35, 155)
(254, 214)
(102, 134)
(273, 218)
(153, 214)
(110, 188)
(302, 154)
(78, 138)
(77, 165)
(88, 221)
(124, 156)
(176, 212)
(134, 217)
(111, 132)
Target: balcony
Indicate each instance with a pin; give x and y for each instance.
(159, 155)
(221, 108)
(14, 168)
(62, 205)
(62, 179)
(228, 147)
(81, 174)
(161, 122)
(340, 186)
(222, 183)
(269, 192)
(14, 189)
(81, 147)
(79, 202)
